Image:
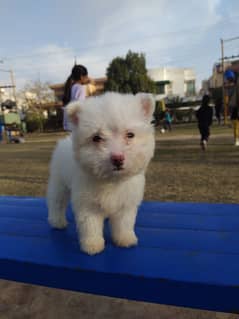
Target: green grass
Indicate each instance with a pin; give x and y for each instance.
(191, 129)
(179, 171)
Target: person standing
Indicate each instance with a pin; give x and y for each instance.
(204, 116)
(74, 89)
(233, 103)
(1, 131)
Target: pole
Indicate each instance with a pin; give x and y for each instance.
(13, 85)
(224, 100)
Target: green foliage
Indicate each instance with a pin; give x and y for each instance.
(129, 75)
(34, 121)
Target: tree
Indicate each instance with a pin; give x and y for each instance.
(129, 75)
(34, 94)
(32, 99)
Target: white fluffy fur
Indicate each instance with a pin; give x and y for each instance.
(82, 170)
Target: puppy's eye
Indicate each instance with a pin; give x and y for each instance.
(97, 138)
(130, 135)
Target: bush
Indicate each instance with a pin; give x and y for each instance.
(34, 121)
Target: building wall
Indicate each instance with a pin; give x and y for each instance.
(179, 78)
(216, 78)
(205, 86)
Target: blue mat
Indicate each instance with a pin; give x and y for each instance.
(188, 254)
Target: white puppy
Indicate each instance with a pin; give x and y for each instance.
(101, 167)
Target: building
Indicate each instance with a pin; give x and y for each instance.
(216, 79)
(174, 81)
(170, 82)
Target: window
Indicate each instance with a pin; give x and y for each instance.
(190, 88)
(161, 86)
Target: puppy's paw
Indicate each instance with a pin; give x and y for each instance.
(92, 245)
(58, 223)
(125, 239)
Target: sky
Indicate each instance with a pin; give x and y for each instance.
(42, 39)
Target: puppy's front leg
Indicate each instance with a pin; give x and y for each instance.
(122, 227)
(90, 228)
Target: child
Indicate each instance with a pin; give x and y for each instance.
(74, 89)
(204, 117)
(1, 131)
(167, 120)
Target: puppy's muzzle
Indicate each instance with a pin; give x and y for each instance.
(117, 160)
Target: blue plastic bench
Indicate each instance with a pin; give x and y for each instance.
(188, 254)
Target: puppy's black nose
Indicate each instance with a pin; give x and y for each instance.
(117, 164)
(117, 160)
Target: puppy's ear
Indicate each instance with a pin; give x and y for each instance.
(148, 104)
(73, 112)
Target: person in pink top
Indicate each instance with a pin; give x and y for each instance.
(74, 89)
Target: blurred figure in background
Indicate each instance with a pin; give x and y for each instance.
(167, 120)
(218, 109)
(204, 117)
(1, 131)
(232, 89)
